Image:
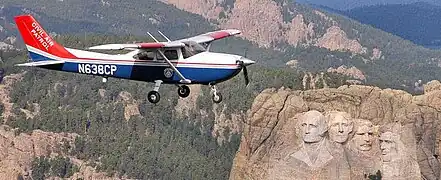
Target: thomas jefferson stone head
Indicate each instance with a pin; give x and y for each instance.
(340, 126)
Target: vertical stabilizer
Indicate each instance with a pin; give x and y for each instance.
(39, 44)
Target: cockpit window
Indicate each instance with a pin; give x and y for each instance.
(192, 48)
(150, 55)
(145, 55)
(170, 54)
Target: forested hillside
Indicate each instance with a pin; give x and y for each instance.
(418, 22)
(350, 4)
(398, 65)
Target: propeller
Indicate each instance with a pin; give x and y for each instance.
(243, 63)
(245, 71)
(245, 74)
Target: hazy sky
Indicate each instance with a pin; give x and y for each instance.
(349, 4)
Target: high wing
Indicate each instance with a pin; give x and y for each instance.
(212, 36)
(152, 45)
(202, 38)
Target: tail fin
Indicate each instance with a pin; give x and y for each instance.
(40, 45)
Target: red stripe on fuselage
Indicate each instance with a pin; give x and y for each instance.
(134, 61)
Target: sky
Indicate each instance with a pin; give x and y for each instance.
(349, 4)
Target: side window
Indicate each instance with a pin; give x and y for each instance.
(145, 55)
(185, 53)
(170, 54)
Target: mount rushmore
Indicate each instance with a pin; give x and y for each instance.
(350, 132)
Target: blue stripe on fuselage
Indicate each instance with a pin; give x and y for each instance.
(38, 57)
(144, 73)
(205, 75)
(109, 70)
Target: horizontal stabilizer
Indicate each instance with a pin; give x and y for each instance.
(41, 63)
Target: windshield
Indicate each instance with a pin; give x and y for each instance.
(192, 48)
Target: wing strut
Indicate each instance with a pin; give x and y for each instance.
(183, 79)
(152, 37)
(164, 36)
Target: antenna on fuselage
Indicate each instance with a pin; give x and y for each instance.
(164, 36)
(152, 36)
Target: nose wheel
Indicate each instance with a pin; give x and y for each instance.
(153, 96)
(217, 96)
(183, 91)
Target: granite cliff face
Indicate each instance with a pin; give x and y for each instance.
(268, 23)
(351, 132)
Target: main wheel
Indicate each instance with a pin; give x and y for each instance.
(217, 98)
(183, 91)
(153, 97)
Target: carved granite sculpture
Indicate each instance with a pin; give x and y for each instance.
(363, 151)
(340, 126)
(397, 163)
(316, 156)
(376, 132)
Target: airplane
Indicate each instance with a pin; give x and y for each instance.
(180, 62)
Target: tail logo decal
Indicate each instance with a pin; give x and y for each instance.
(41, 36)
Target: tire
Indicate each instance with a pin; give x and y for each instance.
(217, 98)
(153, 97)
(183, 91)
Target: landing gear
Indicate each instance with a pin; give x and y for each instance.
(217, 96)
(183, 91)
(154, 96)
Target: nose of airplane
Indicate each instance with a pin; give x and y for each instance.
(246, 61)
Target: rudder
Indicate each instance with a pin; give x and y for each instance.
(39, 44)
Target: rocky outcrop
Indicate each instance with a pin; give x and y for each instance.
(376, 54)
(88, 172)
(225, 125)
(292, 64)
(299, 32)
(209, 9)
(350, 132)
(353, 72)
(265, 22)
(186, 106)
(5, 88)
(130, 105)
(336, 39)
(18, 150)
(260, 20)
(316, 81)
